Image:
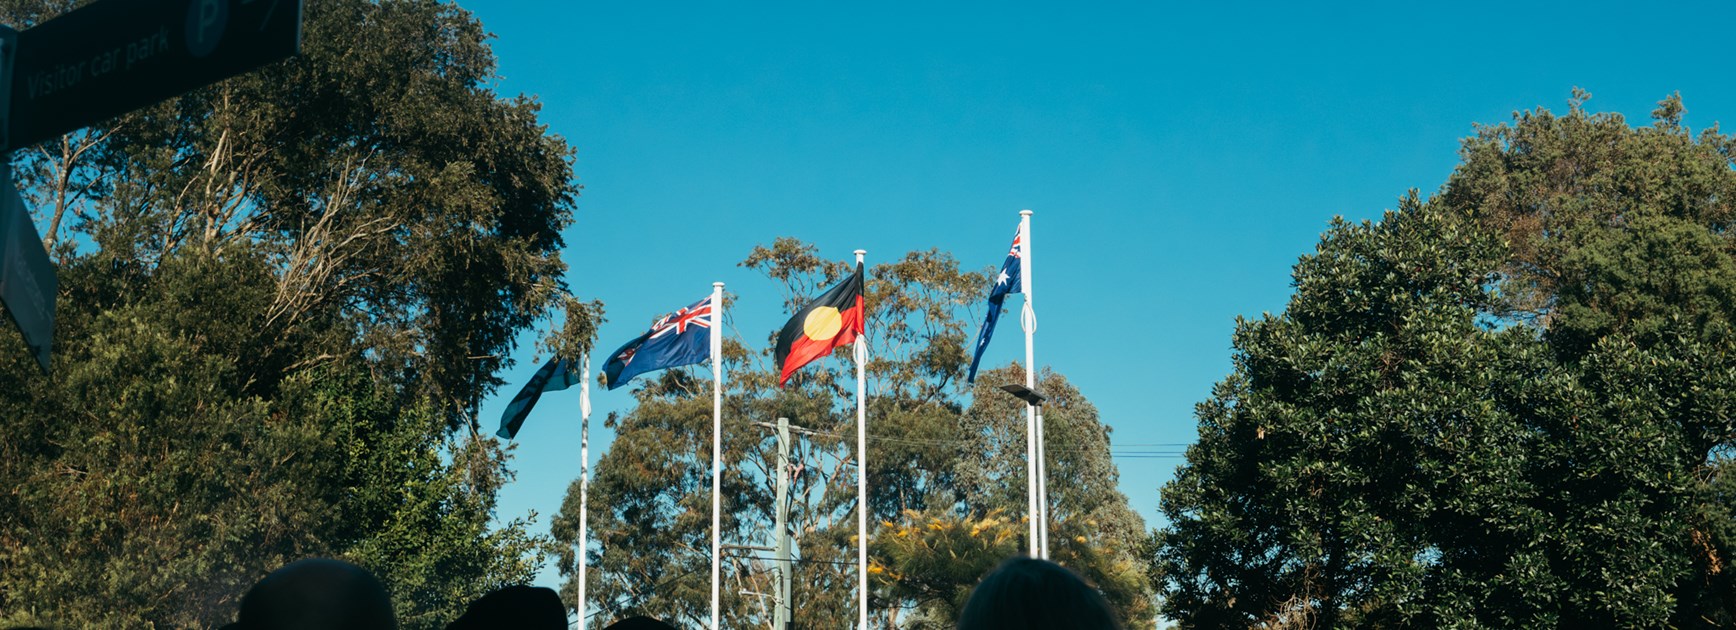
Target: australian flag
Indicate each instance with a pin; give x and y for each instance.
(556, 375)
(1007, 281)
(679, 338)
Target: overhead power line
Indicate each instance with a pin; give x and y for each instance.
(1138, 454)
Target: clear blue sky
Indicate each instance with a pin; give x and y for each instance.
(1179, 158)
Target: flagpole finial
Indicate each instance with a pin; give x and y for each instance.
(1025, 213)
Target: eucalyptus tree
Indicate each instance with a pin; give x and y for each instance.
(282, 299)
(927, 464)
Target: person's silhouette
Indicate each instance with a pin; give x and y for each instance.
(317, 593)
(639, 623)
(515, 607)
(1024, 593)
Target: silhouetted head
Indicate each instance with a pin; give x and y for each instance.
(1024, 593)
(516, 607)
(639, 623)
(317, 593)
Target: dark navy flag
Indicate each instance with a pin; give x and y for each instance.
(679, 338)
(1007, 281)
(554, 376)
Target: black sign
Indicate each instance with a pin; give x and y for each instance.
(27, 282)
(114, 56)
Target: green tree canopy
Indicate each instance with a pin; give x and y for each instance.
(1506, 406)
(282, 298)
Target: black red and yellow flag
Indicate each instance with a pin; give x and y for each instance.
(828, 322)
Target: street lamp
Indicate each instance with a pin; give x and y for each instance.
(1030, 396)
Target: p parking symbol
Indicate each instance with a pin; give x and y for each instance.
(206, 21)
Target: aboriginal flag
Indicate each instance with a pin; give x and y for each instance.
(828, 322)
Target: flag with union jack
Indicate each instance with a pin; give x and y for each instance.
(679, 338)
(1007, 281)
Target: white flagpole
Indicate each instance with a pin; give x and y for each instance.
(861, 353)
(1042, 488)
(1028, 321)
(716, 440)
(1042, 430)
(584, 480)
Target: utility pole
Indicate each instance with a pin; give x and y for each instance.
(782, 542)
(781, 617)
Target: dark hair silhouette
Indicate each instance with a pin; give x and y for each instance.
(639, 623)
(515, 607)
(317, 593)
(1025, 593)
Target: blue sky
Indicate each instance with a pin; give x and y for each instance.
(1179, 158)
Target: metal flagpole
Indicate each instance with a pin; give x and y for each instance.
(861, 353)
(584, 480)
(1042, 488)
(1028, 321)
(1042, 430)
(716, 439)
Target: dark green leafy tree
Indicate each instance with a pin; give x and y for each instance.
(1346, 418)
(282, 299)
(1621, 252)
(1505, 407)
